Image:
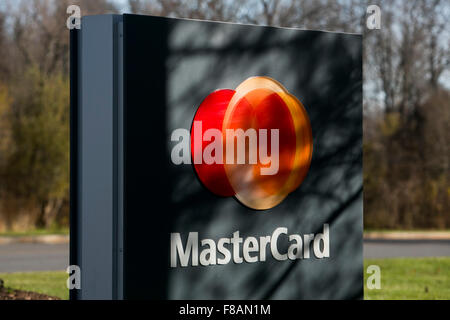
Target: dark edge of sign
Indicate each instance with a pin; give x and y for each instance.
(73, 185)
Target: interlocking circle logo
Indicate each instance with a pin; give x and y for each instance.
(253, 143)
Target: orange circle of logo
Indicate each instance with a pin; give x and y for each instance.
(253, 143)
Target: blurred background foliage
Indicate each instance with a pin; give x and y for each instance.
(406, 100)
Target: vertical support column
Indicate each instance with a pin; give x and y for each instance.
(97, 164)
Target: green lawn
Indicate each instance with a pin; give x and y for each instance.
(401, 278)
(52, 283)
(411, 279)
(406, 230)
(35, 232)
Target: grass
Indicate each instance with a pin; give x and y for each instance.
(405, 230)
(35, 232)
(52, 283)
(401, 278)
(410, 279)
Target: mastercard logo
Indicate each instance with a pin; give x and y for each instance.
(253, 143)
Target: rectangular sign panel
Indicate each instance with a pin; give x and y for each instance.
(232, 158)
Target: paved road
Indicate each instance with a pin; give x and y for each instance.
(16, 257)
(406, 248)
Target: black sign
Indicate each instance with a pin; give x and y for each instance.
(157, 214)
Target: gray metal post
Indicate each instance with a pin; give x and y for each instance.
(97, 165)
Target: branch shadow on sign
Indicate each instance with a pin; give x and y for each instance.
(323, 70)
